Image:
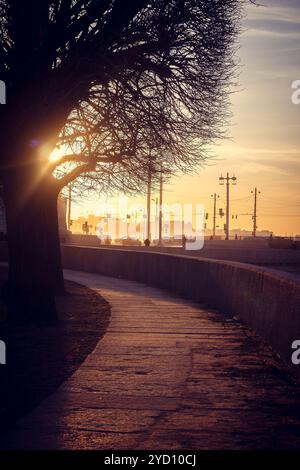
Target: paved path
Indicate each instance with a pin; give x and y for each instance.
(168, 374)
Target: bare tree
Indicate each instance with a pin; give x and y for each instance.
(112, 81)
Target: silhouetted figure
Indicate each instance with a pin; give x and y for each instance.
(147, 242)
(107, 241)
(85, 228)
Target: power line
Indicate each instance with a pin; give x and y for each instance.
(281, 215)
(241, 198)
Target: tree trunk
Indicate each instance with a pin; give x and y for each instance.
(35, 269)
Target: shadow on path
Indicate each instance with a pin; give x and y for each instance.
(167, 374)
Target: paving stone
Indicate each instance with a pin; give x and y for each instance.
(168, 374)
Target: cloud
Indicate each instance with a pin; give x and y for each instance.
(272, 34)
(276, 19)
(282, 10)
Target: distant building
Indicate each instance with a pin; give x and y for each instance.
(239, 233)
(248, 233)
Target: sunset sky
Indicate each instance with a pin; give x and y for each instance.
(265, 140)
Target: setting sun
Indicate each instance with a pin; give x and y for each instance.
(56, 155)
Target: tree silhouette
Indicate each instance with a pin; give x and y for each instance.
(113, 83)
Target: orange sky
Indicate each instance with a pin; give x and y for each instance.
(265, 140)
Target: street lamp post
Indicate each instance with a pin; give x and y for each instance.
(215, 196)
(160, 207)
(69, 206)
(254, 217)
(222, 180)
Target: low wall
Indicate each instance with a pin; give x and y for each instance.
(245, 251)
(267, 301)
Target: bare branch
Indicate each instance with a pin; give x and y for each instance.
(73, 174)
(117, 83)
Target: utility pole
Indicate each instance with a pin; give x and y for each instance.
(160, 207)
(156, 217)
(69, 206)
(254, 217)
(228, 179)
(215, 196)
(149, 202)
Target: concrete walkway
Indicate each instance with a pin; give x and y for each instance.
(167, 375)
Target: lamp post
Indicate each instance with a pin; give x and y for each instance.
(254, 217)
(149, 202)
(160, 207)
(228, 179)
(215, 196)
(69, 206)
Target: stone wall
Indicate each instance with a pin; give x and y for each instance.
(245, 251)
(268, 301)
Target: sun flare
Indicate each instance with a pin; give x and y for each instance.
(55, 155)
